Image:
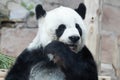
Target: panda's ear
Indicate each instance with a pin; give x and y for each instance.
(81, 10)
(39, 11)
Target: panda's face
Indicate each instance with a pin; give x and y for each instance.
(72, 36)
(62, 24)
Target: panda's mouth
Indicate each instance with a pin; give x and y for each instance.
(73, 47)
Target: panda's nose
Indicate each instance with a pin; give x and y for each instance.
(74, 39)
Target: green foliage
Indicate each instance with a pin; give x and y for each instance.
(6, 61)
(23, 4)
(28, 7)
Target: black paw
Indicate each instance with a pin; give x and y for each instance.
(56, 46)
(59, 52)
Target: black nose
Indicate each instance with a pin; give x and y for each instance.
(74, 39)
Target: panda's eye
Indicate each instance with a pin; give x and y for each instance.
(79, 29)
(60, 30)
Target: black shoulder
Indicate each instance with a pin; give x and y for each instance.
(22, 67)
(85, 53)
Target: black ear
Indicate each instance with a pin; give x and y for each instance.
(39, 11)
(81, 10)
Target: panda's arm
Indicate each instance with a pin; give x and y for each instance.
(75, 66)
(21, 69)
(84, 66)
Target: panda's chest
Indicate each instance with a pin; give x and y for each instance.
(39, 73)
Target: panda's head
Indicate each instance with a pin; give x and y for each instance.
(62, 24)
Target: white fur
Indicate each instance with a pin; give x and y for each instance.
(39, 73)
(50, 56)
(49, 23)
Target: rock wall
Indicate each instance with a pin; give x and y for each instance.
(111, 34)
(110, 30)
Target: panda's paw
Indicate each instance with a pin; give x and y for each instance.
(56, 46)
(58, 52)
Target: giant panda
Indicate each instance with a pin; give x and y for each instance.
(58, 51)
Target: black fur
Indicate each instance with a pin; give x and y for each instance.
(26, 60)
(39, 11)
(79, 29)
(76, 66)
(81, 10)
(60, 30)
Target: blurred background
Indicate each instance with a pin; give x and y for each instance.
(18, 27)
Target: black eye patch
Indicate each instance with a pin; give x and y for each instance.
(60, 30)
(79, 29)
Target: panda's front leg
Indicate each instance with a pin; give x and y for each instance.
(25, 61)
(63, 56)
(59, 53)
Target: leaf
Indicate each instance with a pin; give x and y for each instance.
(6, 61)
(30, 7)
(23, 4)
